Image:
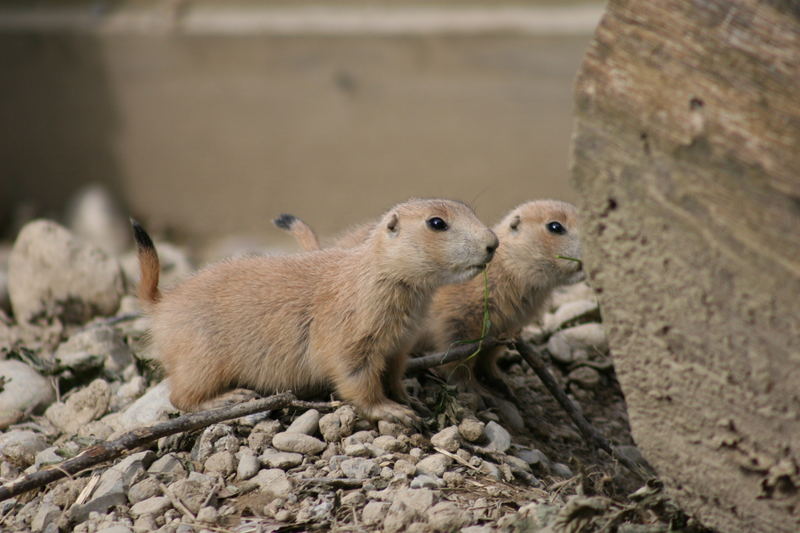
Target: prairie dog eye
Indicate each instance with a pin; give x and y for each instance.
(556, 227)
(437, 224)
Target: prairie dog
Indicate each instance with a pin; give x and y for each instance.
(522, 276)
(344, 318)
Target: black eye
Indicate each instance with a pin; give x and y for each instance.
(556, 227)
(437, 224)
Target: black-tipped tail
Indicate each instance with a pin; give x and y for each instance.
(148, 265)
(285, 221)
(143, 240)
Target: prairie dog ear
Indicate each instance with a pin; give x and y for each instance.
(514, 223)
(391, 225)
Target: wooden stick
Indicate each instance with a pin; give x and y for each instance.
(531, 356)
(133, 439)
(457, 353)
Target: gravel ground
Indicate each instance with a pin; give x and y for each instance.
(77, 370)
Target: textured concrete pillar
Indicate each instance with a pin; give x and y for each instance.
(686, 158)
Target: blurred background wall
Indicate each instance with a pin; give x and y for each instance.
(209, 118)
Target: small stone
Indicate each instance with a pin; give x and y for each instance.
(193, 490)
(374, 513)
(208, 515)
(426, 482)
(116, 528)
(389, 428)
(99, 346)
(282, 460)
(499, 438)
(85, 405)
(307, 423)
(223, 463)
(249, 464)
(517, 465)
(389, 443)
(52, 273)
(359, 437)
(447, 516)
(448, 439)
(146, 488)
(145, 524)
(114, 485)
(356, 450)
(46, 514)
(510, 415)
(471, 429)
(452, 479)
(358, 468)
(48, 456)
(434, 465)
(274, 482)
(535, 458)
(298, 443)
(419, 500)
(283, 515)
(154, 505)
(585, 377)
(354, 499)
(568, 311)
(169, 465)
(561, 470)
(154, 406)
(21, 447)
(337, 425)
(24, 389)
(406, 468)
(560, 349)
(491, 470)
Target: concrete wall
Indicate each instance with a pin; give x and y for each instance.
(214, 122)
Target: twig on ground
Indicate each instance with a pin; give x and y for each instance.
(532, 357)
(133, 439)
(457, 353)
(177, 503)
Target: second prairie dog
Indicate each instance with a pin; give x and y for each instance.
(522, 276)
(345, 318)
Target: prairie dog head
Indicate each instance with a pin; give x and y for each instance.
(536, 236)
(433, 242)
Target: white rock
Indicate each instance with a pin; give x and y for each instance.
(274, 482)
(447, 516)
(46, 514)
(571, 344)
(282, 460)
(154, 505)
(193, 491)
(499, 438)
(448, 439)
(52, 273)
(96, 346)
(561, 470)
(207, 514)
(96, 218)
(154, 406)
(83, 406)
(223, 463)
(144, 489)
(21, 446)
(46, 457)
(168, 466)
(389, 443)
(374, 512)
(116, 528)
(337, 425)
(419, 500)
(298, 443)
(307, 423)
(359, 468)
(426, 482)
(24, 388)
(249, 464)
(471, 429)
(568, 311)
(434, 465)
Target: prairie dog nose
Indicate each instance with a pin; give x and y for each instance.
(492, 246)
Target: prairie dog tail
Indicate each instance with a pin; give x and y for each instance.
(301, 231)
(148, 265)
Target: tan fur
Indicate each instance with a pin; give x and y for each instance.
(521, 278)
(340, 317)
